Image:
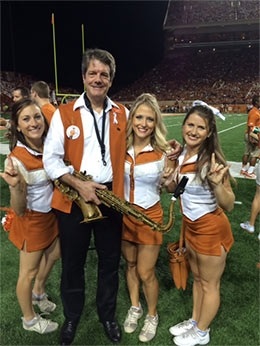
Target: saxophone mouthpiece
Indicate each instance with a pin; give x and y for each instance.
(180, 188)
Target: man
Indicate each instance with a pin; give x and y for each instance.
(89, 135)
(20, 93)
(73, 135)
(40, 93)
(252, 147)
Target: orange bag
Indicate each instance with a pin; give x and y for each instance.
(179, 264)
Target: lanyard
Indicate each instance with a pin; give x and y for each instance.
(101, 140)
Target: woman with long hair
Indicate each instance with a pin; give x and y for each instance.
(34, 229)
(208, 235)
(144, 164)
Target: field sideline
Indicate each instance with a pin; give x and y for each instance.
(173, 123)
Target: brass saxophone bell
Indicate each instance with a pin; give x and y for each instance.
(90, 211)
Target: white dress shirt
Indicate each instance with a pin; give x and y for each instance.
(91, 160)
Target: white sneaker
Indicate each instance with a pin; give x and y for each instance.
(132, 317)
(148, 331)
(247, 227)
(191, 338)
(40, 325)
(44, 304)
(181, 327)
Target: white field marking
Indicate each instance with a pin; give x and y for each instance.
(174, 125)
(232, 127)
(222, 131)
(228, 129)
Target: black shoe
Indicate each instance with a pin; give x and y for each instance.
(112, 330)
(68, 331)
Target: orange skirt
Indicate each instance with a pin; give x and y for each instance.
(208, 233)
(37, 230)
(137, 232)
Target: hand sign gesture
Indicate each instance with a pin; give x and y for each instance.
(11, 174)
(217, 172)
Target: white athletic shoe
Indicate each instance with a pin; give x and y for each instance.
(132, 317)
(44, 304)
(191, 338)
(181, 327)
(148, 331)
(40, 325)
(247, 227)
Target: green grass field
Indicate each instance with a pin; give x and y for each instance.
(237, 322)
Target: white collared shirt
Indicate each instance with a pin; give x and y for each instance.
(91, 160)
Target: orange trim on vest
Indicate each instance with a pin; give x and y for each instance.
(188, 168)
(30, 162)
(117, 149)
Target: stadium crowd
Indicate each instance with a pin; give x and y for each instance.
(209, 12)
(182, 38)
(223, 78)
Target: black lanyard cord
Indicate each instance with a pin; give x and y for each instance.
(101, 140)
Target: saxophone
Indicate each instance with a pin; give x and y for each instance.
(91, 212)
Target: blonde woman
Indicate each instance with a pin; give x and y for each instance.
(144, 165)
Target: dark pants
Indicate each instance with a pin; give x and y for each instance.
(75, 240)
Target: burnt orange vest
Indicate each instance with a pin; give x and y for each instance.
(30, 162)
(74, 149)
